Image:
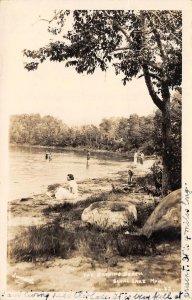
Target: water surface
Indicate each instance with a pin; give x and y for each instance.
(30, 173)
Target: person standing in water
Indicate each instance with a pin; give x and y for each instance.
(46, 155)
(88, 155)
(50, 156)
(135, 158)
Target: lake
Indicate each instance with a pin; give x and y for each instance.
(30, 173)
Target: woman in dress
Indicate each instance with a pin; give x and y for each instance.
(67, 194)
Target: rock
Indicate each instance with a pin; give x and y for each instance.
(110, 214)
(166, 216)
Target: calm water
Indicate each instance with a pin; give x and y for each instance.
(30, 173)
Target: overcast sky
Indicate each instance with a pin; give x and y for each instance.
(54, 89)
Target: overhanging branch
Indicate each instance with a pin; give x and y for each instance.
(151, 75)
(157, 101)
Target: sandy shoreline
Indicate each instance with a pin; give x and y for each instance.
(79, 272)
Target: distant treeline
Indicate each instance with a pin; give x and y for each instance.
(115, 134)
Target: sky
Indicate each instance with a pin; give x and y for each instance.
(53, 89)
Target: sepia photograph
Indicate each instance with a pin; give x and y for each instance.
(93, 105)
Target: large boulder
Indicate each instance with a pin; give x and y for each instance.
(166, 217)
(110, 214)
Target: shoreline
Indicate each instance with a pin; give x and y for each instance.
(84, 149)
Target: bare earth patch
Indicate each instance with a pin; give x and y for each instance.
(80, 273)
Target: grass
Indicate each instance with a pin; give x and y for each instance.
(52, 240)
(68, 235)
(42, 242)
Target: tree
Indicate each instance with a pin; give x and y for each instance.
(175, 138)
(136, 43)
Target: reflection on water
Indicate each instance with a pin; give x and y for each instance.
(30, 173)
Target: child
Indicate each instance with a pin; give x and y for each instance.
(130, 176)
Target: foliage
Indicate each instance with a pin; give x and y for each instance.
(36, 130)
(129, 40)
(116, 134)
(157, 170)
(175, 138)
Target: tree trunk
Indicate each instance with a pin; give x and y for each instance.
(164, 106)
(166, 139)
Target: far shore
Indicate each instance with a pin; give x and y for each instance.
(82, 149)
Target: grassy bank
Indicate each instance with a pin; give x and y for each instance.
(67, 235)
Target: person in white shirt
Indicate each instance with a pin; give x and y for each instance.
(68, 194)
(135, 158)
